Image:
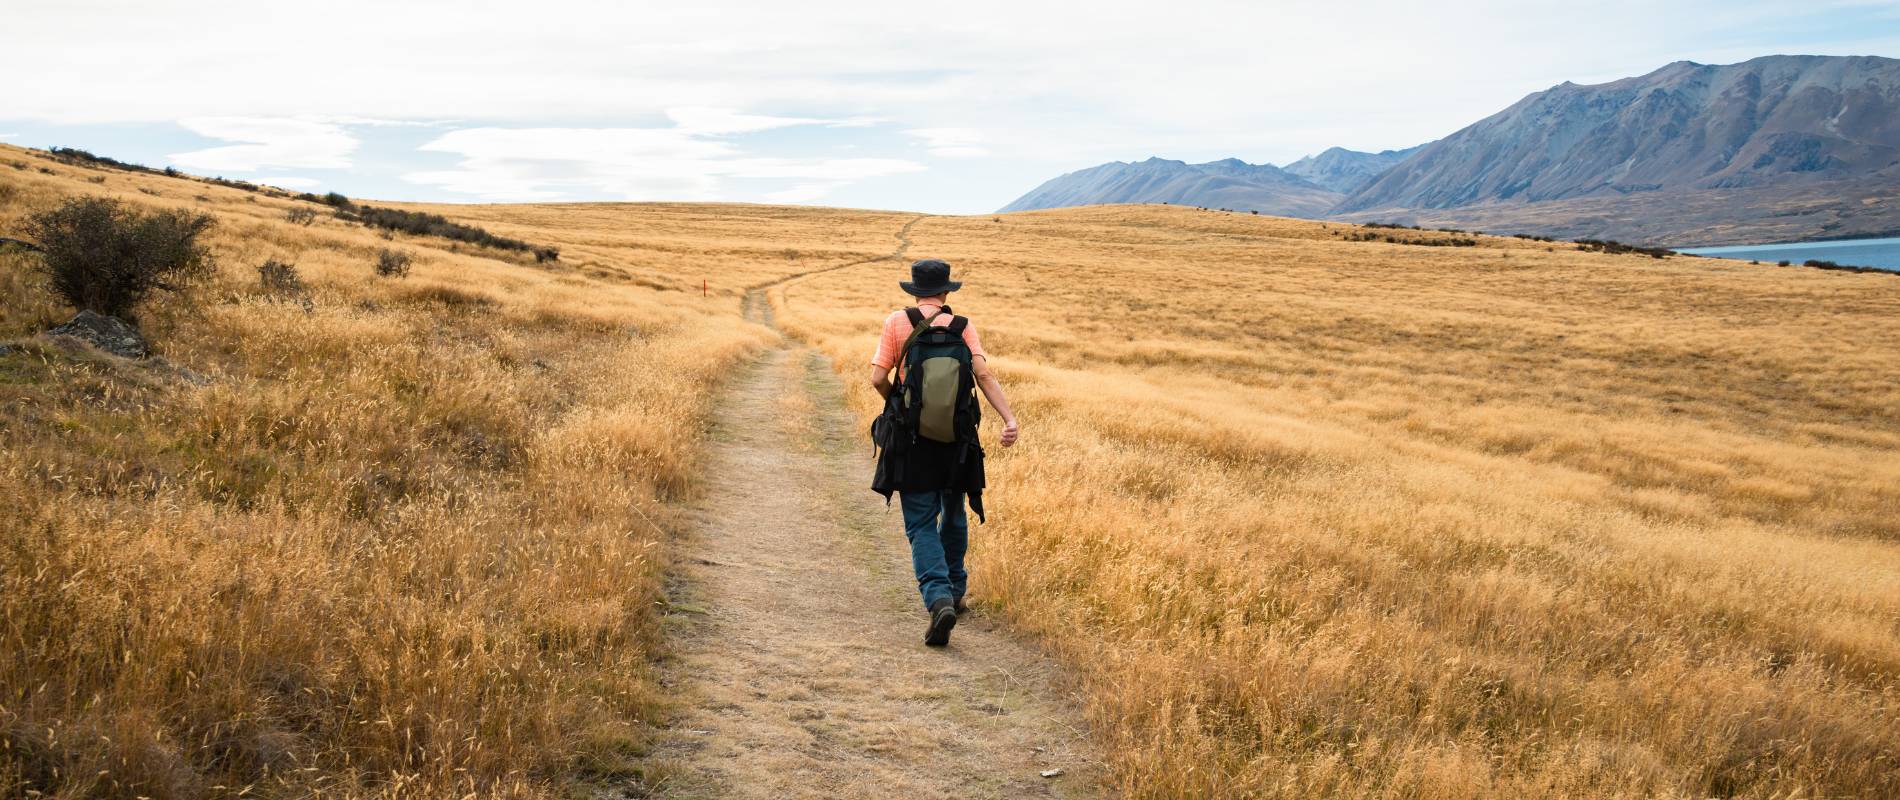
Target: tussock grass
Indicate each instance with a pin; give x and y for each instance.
(406, 543)
(1316, 518)
(1308, 517)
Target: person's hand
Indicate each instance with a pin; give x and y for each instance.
(1010, 432)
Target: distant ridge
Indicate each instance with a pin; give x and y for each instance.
(1777, 148)
(1347, 171)
(1229, 183)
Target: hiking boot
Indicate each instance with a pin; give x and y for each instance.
(943, 617)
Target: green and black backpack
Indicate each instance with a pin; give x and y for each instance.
(939, 385)
(932, 413)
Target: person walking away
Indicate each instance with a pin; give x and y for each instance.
(928, 452)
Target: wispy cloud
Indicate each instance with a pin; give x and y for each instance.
(694, 159)
(266, 143)
(952, 142)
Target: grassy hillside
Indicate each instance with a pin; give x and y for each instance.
(1327, 517)
(1309, 516)
(407, 542)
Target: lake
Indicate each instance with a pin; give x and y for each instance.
(1877, 253)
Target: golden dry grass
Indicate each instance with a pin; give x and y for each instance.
(1317, 517)
(1308, 516)
(408, 543)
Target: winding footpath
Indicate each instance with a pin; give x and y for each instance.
(799, 633)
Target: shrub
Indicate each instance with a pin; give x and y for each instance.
(280, 278)
(1615, 247)
(235, 184)
(424, 224)
(100, 255)
(96, 179)
(172, 172)
(301, 215)
(543, 255)
(1781, 264)
(1823, 264)
(336, 200)
(19, 165)
(81, 158)
(394, 263)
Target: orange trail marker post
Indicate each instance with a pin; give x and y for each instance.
(702, 287)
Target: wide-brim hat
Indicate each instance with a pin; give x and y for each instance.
(929, 278)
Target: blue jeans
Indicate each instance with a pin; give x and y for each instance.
(939, 533)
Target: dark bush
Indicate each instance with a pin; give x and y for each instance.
(96, 179)
(1781, 264)
(543, 255)
(1816, 262)
(1615, 247)
(81, 158)
(103, 257)
(336, 200)
(19, 165)
(301, 215)
(172, 172)
(424, 224)
(394, 263)
(279, 277)
(235, 184)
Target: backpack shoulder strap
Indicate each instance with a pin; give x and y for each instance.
(918, 326)
(957, 324)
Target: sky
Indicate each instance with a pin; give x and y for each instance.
(943, 108)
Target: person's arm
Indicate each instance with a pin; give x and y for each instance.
(993, 392)
(885, 357)
(881, 380)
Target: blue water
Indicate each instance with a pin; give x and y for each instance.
(1877, 253)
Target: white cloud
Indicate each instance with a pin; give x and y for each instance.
(8, 135)
(267, 142)
(1050, 89)
(693, 160)
(952, 142)
(802, 193)
(716, 121)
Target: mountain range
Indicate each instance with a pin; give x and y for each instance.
(1777, 148)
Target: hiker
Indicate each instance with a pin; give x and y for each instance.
(926, 437)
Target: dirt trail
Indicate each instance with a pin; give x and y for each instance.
(800, 632)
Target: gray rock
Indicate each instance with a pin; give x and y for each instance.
(110, 334)
(7, 349)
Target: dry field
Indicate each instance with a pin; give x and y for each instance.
(1328, 518)
(1307, 516)
(406, 543)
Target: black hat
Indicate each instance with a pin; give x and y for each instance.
(929, 278)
